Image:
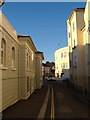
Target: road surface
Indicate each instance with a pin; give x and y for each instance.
(54, 100)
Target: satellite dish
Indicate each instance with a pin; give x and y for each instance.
(2, 2)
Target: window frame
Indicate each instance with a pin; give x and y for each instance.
(3, 52)
(13, 58)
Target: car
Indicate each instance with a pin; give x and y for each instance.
(51, 79)
(45, 78)
(58, 79)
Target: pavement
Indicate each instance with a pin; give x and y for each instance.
(29, 108)
(67, 104)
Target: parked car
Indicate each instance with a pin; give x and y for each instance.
(51, 79)
(58, 79)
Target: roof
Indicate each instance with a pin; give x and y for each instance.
(38, 52)
(27, 37)
(61, 49)
(75, 10)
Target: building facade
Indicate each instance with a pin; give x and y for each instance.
(18, 65)
(86, 43)
(75, 23)
(27, 56)
(46, 71)
(9, 55)
(62, 62)
(39, 75)
(79, 46)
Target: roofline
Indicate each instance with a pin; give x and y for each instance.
(27, 36)
(75, 10)
(7, 22)
(38, 52)
(61, 49)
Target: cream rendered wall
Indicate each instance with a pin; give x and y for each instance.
(86, 35)
(80, 51)
(15, 81)
(24, 71)
(76, 53)
(60, 61)
(71, 41)
(10, 76)
(0, 76)
(39, 80)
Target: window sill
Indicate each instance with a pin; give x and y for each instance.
(13, 69)
(3, 68)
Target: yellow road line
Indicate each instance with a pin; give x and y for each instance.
(52, 104)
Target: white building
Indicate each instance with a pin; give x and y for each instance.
(62, 62)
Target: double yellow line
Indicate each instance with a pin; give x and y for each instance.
(52, 104)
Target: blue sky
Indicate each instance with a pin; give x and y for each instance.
(45, 22)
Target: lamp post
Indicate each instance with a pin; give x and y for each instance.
(2, 2)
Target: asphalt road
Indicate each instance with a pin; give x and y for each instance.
(53, 101)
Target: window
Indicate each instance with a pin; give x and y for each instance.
(70, 63)
(28, 86)
(65, 54)
(66, 65)
(89, 27)
(73, 27)
(74, 42)
(75, 64)
(63, 65)
(13, 57)
(69, 35)
(89, 23)
(3, 52)
(27, 60)
(61, 55)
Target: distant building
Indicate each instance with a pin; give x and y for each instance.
(46, 71)
(62, 62)
(20, 65)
